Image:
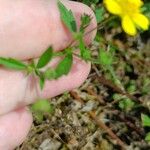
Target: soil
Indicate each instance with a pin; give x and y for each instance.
(91, 117)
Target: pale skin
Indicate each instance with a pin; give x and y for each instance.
(27, 29)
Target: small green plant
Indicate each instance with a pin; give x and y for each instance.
(41, 107)
(126, 104)
(105, 57)
(63, 67)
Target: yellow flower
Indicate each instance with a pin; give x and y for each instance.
(129, 11)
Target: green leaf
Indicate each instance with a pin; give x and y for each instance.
(126, 104)
(64, 66)
(147, 138)
(85, 21)
(131, 88)
(99, 12)
(145, 120)
(42, 82)
(12, 63)
(117, 97)
(67, 17)
(146, 9)
(84, 51)
(49, 74)
(89, 2)
(87, 54)
(146, 85)
(81, 46)
(43, 106)
(105, 58)
(45, 58)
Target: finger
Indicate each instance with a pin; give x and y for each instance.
(29, 27)
(17, 90)
(14, 128)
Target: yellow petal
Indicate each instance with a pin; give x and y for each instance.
(141, 21)
(138, 3)
(128, 25)
(113, 7)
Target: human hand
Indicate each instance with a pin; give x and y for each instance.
(27, 29)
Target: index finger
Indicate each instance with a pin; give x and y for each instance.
(29, 27)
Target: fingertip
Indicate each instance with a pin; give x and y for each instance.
(14, 128)
(79, 9)
(78, 74)
(29, 33)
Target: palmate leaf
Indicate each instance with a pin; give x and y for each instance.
(45, 58)
(64, 66)
(12, 63)
(67, 17)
